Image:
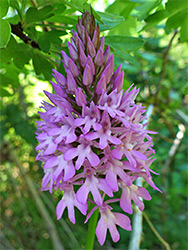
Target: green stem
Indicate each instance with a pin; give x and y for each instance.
(91, 230)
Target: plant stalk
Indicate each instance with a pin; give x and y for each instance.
(91, 230)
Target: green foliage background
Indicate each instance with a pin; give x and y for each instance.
(150, 39)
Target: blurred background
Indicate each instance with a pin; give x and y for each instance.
(156, 62)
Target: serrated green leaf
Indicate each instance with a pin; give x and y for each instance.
(124, 43)
(110, 20)
(4, 7)
(5, 31)
(17, 51)
(47, 38)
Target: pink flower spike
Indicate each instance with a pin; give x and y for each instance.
(93, 135)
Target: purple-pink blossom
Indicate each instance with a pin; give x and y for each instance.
(92, 135)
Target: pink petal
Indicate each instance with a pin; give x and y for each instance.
(139, 155)
(70, 154)
(125, 201)
(101, 231)
(93, 159)
(117, 153)
(130, 158)
(113, 231)
(111, 179)
(81, 207)
(51, 162)
(123, 221)
(69, 171)
(71, 213)
(50, 149)
(82, 194)
(60, 208)
(142, 192)
(96, 195)
(115, 140)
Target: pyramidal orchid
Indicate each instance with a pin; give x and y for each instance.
(91, 138)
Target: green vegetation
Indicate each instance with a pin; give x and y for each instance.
(150, 39)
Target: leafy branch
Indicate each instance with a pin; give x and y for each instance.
(18, 31)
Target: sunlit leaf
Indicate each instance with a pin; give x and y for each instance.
(110, 20)
(124, 43)
(127, 57)
(4, 7)
(5, 31)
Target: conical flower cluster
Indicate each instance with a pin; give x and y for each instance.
(91, 137)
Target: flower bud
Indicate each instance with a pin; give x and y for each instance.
(87, 76)
(73, 52)
(99, 57)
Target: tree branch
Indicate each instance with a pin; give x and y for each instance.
(18, 31)
(155, 232)
(173, 150)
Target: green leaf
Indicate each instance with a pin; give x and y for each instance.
(174, 6)
(17, 51)
(146, 7)
(76, 4)
(34, 15)
(124, 43)
(127, 57)
(184, 30)
(42, 65)
(47, 38)
(130, 24)
(176, 20)
(4, 92)
(63, 19)
(4, 7)
(110, 20)
(5, 31)
(123, 8)
(59, 8)
(156, 17)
